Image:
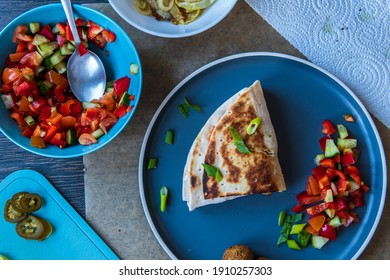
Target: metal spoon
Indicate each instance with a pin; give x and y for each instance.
(86, 74)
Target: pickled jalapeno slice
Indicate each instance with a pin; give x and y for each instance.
(31, 202)
(11, 215)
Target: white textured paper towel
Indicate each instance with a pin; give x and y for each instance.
(348, 38)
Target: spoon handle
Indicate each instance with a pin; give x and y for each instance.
(67, 5)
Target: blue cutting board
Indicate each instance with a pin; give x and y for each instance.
(72, 237)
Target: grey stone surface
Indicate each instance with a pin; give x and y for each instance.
(113, 204)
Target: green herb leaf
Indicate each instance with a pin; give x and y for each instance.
(238, 141)
(213, 172)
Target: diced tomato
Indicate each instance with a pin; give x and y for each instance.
(47, 32)
(336, 158)
(25, 89)
(351, 169)
(76, 108)
(37, 105)
(100, 41)
(328, 127)
(316, 209)
(330, 173)
(87, 139)
(28, 131)
(342, 186)
(32, 58)
(319, 172)
(20, 34)
(16, 57)
(80, 22)
(61, 28)
(45, 113)
(61, 39)
(10, 74)
(36, 141)
(6, 88)
(328, 231)
(21, 46)
(109, 36)
(65, 108)
(68, 33)
(93, 31)
(68, 122)
(56, 78)
(59, 93)
(340, 174)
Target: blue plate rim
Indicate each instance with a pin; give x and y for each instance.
(255, 54)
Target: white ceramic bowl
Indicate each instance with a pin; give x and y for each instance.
(210, 17)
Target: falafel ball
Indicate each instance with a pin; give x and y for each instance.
(238, 252)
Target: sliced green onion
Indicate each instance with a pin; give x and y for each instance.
(282, 218)
(304, 238)
(163, 198)
(184, 109)
(195, 107)
(292, 244)
(152, 163)
(3, 258)
(297, 228)
(253, 125)
(238, 141)
(213, 172)
(294, 218)
(284, 233)
(169, 137)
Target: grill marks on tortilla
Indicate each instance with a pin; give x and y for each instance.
(250, 170)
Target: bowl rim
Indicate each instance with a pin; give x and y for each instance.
(59, 153)
(171, 35)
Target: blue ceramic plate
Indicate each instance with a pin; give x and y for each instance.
(299, 96)
(72, 237)
(116, 58)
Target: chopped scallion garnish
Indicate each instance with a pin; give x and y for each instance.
(238, 141)
(213, 172)
(152, 163)
(253, 125)
(169, 137)
(163, 198)
(186, 107)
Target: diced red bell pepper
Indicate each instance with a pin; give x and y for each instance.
(298, 208)
(364, 187)
(18, 118)
(21, 46)
(342, 186)
(330, 172)
(80, 22)
(316, 209)
(356, 178)
(59, 93)
(305, 199)
(351, 169)
(328, 231)
(346, 217)
(327, 162)
(347, 159)
(76, 108)
(121, 85)
(58, 140)
(47, 32)
(312, 187)
(340, 174)
(100, 41)
(50, 132)
(328, 127)
(6, 88)
(319, 172)
(65, 109)
(336, 158)
(121, 111)
(28, 131)
(341, 204)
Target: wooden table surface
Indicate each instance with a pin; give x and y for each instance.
(67, 175)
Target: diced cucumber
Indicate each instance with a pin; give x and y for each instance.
(55, 29)
(330, 212)
(29, 120)
(329, 196)
(110, 86)
(47, 63)
(346, 143)
(67, 48)
(331, 149)
(34, 27)
(353, 186)
(134, 68)
(84, 36)
(56, 58)
(70, 136)
(39, 40)
(39, 70)
(292, 244)
(60, 67)
(318, 241)
(97, 133)
(124, 100)
(335, 222)
(87, 105)
(47, 49)
(318, 158)
(342, 131)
